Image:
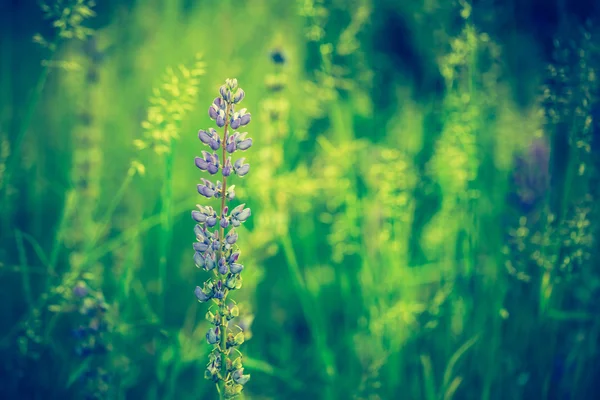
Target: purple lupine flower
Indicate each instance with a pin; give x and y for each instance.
(236, 268)
(207, 189)
(240, 168)
(214, 248)
(210, 138)
(239, 214)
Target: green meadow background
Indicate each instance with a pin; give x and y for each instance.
(423, 186)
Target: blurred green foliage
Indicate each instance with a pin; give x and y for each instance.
(408, 239)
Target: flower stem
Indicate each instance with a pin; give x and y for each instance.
(223, 325)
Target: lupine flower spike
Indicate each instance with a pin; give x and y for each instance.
(215, 247)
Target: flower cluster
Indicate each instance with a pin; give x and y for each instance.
(215, 247)
(90, 340)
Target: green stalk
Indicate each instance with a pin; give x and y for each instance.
(165, 222)
(222, 325)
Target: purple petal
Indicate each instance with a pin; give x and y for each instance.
(238, 163)
(245, 120)
(204, 136)
(234, 257)
(200, 295)
(231, 237)
(200, 246)
(227, 170)
(205, 191)
(239, 96)
(230, 147)
(198, 216)
(220, 121)
(243, 170)
(244, 215)
(212, 169)
(212, 113)
(245, 144)
(235, 123)
(222, 266)
(199, 260)
(201, 164)
(224, 223)
(236, 268)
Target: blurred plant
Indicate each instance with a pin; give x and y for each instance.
(216, 251)
(169, 103)
(67, 18)
(80, 286)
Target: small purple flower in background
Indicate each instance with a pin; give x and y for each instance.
(215, 248)
(531, 176)
(90, 339)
